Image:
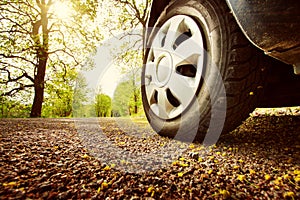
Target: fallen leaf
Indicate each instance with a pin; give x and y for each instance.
(267, 177)
(241, 177)
(180, 174)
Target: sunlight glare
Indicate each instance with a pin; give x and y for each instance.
(62, 10)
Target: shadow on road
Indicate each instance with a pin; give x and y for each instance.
(274, 138)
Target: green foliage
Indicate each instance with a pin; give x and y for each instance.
(127, 99)
(13, 109)
(58, 99)
(103, 105)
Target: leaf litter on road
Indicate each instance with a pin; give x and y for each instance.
(45, 159)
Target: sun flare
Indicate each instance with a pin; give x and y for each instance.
(62, 10)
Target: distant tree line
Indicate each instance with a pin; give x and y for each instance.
(41, 54)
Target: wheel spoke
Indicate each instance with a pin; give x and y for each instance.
(157, 44)
(188, 52)
(163, 104)
(183, 88)
(173, 33)
(150, 92)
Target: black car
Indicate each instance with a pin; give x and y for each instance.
(209, 63)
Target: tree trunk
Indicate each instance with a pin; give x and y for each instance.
(36, 109)
(42, 44)
(135, 103)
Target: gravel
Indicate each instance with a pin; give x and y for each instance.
(50, 159)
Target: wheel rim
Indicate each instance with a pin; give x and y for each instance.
(174, 67)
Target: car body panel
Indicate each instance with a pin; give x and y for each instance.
(271, 25)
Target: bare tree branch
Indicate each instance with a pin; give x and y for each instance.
(16, 90)
(18, 57)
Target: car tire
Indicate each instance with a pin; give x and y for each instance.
(226, 75)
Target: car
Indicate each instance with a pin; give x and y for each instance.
(209, 63)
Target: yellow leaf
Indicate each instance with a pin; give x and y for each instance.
(224, 154)
(297, 172)
(218, 153)
(241, 177)
(184, 164)
(12, 184)
(104, 185)
(241, 161)
(152, 194)
(210, 171)
(236, 167)
(252, 171)
(123, 161)
(85, 156)
(297, 178)
(288, 194)
(121, 143)
(150, 189)
(175, 163)
(286, 176)
(225, 193)
(200, 159)
(182, 159)
(277, 182)
(180, 174)
(99, 190)
(192, 146)
(106, 168)
(112, 165)
(267, 177)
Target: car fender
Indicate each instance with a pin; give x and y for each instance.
(273, 26)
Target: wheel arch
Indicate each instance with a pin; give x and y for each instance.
(272, 26)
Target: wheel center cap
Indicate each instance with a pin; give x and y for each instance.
(164, 68)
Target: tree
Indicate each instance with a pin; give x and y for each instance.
(126, 15)
(103, 105)
(121, 99)
(135, 14)
(36, 42)
(59, 94)
(130, 65)
(81, 105)
(132, 15)
(127, 98)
